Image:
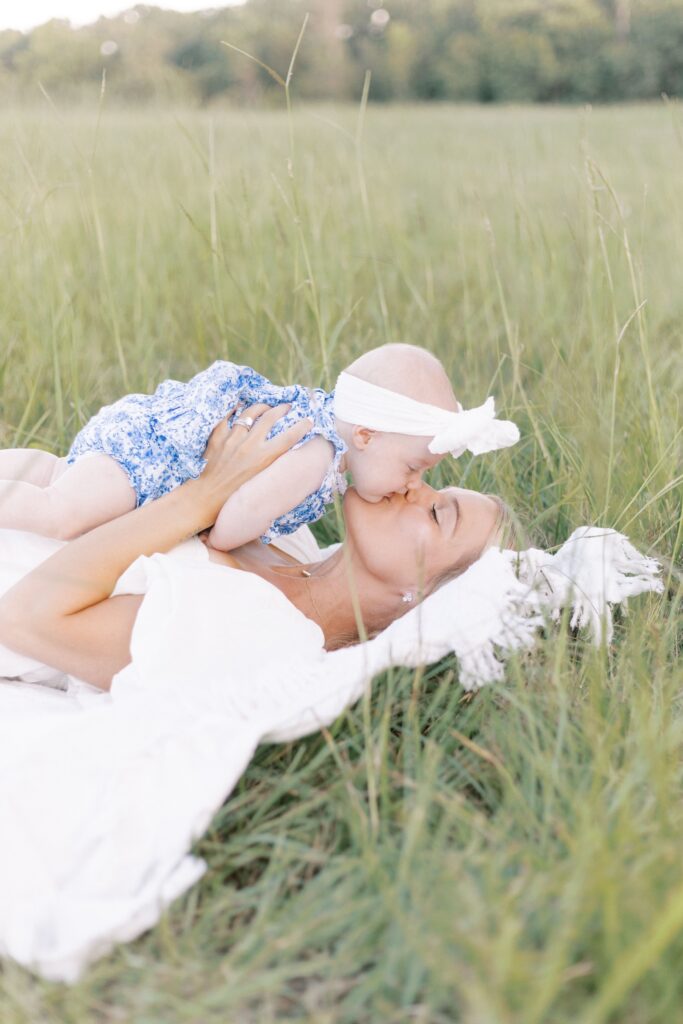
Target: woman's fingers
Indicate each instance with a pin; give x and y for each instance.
(258, 420)
(217, 441)
(225, 431)
(239, 446)
(246, 417)
(262, 417)
(257, 444)
(288, 438)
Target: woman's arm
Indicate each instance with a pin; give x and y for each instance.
(61, 613)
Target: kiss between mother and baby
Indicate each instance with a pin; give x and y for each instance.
(392, 415)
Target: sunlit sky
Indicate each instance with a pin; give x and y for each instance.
(27, 14)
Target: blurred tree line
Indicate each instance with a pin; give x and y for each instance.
(460, 50)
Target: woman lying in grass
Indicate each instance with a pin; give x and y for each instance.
(102, 794)
(395, 550)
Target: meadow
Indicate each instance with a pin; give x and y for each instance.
(513, 858)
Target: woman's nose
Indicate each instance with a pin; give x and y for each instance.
(417, 492)
(420, 493)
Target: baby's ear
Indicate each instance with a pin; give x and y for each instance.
(361, 437)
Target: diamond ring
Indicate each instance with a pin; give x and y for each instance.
(245, 421)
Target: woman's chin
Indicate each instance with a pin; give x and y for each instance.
(355, 508)
(351, 495)
(361, 515)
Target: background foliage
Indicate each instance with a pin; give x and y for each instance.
(462, 50)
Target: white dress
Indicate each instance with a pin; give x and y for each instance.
(102, 794)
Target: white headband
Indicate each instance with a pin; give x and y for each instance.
(368, 405)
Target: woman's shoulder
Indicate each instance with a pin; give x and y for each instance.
(135, 579)
(196, 619)
(190, 578)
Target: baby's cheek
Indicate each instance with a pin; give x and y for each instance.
(376, 479)
(394, 477)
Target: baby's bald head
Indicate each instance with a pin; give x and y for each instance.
(407, 370)
(383, 462)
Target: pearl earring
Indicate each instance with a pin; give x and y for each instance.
(407, 597)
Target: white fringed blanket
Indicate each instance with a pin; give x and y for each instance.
(101, 795)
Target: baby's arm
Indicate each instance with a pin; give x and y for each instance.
(282, 486)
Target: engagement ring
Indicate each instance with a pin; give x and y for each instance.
(244, 421)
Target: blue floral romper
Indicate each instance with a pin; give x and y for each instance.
(159, 439)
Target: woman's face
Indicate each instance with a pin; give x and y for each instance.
(407, 540)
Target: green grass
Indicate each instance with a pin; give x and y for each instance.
(511, 859)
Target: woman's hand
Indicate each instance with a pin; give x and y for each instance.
(235, 453)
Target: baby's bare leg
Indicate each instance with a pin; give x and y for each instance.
(85, 494)
(30, 465)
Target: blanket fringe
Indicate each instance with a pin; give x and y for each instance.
(499, 604)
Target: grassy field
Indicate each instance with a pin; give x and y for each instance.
(512, 859)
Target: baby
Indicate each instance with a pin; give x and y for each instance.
(392, 415)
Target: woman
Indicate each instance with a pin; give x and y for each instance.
(101, 798)
(102, 794)
(62, 613)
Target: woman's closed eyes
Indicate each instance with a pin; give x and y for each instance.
(438, 517)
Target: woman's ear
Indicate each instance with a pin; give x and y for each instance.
(361, 437)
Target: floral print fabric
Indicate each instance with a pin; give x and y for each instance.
(159, 439)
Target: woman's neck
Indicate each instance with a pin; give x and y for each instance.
(330, 592)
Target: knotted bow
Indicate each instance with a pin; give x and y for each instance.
(475, 430)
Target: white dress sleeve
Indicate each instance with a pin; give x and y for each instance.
(20, 552)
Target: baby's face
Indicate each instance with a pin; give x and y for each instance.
(390, 464)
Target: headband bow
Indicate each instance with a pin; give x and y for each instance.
(475, 430)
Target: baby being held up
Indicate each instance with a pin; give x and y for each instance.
(391, 416)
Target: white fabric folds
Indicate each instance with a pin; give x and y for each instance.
(475, 430)
(102, 795)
